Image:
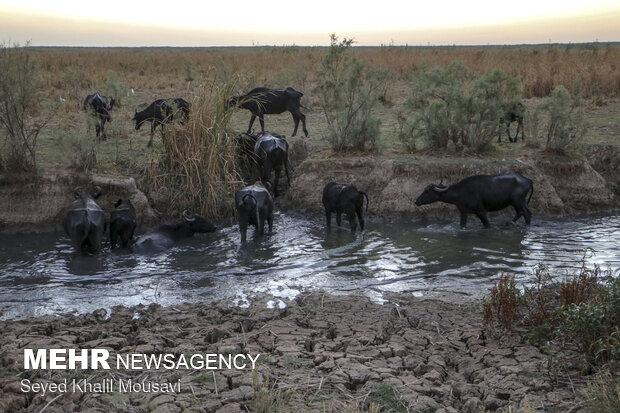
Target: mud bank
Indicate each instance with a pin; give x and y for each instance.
(561, 186)
(30, 204)
(321, 353)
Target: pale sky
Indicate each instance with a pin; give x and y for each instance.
(266, 22)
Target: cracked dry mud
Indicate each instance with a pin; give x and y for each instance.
(321, 353)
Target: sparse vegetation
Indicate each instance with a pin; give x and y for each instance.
(449, 106)
(582, 312)
(348, 92)
(602, 394)
(197, 167)
(566, 126)
(19, 106)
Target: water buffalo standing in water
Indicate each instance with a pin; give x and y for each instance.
(513, 112)
(254, 206)
(122, 223)
(100, 106)
(161, 112)
(480, 194)
(271, 154)
(166, 235)
(342, 198)
(85, 222)
(262, 101)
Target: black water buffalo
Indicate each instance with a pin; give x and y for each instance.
(513, 112)
(100, 106)
(480, 194)
(166, 235)
(254, 206)
(85, 222)
(271, 154)
(161, 112)
(262, 101)
(122, 223)
(342, 198)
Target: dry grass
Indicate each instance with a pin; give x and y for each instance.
(197, 166)
(501, 304)
(590, 70)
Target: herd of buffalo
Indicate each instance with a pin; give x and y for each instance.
(265, 154)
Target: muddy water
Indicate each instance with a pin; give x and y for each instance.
(41, 274)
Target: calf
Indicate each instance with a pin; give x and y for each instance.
(262, 101)
(254, 206)
(85, 221)
(342, 198)
(122, 223)
(271, 154)
(514, 112)
(480, 194)
(100, 106)
(161, 112)
(166, 235)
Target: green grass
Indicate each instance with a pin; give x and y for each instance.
(125, 152)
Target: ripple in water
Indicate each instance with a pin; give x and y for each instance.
(41, 274)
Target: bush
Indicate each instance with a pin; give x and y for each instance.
(20, 84)
(566, 125)
(115, 89)
(501, 305)
(198, 168)
(602, 394)
(448, 105)
(348, 93)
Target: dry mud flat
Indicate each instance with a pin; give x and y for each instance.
(321, 353)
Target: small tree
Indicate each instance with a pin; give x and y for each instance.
(348, 93)
(20, 84)
(566, 126)
(449, 105)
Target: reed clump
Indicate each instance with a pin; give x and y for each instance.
(197, 167)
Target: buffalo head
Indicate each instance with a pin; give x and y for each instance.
(432, 193)
(93, 192)
(197, 223)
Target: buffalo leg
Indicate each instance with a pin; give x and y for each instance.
(113, 239)
(103, 135)
(463, 219)
(482, 216)
(278, 170)
(518, 214)
(352, 220)
(296, 122)
(527, 214)
(252, 119)
(328, 218)
(338, 218)
(360, 217)
(243, 229)
(270, 223)
(261, 119)
(303, 123)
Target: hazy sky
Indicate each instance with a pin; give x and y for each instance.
(240, 22)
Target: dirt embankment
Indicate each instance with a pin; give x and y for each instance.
(321, 353)
(561, 186)
(34, 205)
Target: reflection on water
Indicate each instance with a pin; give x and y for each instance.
(42, 274)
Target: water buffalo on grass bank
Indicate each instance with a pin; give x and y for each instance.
(271, 154)
(342, 198)
(166, 235)
(85, 222)
(262, 101)
(122, 224)
(480, 194)
(100, 106)
(161, 112)
(254, 206)
(514, 112)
